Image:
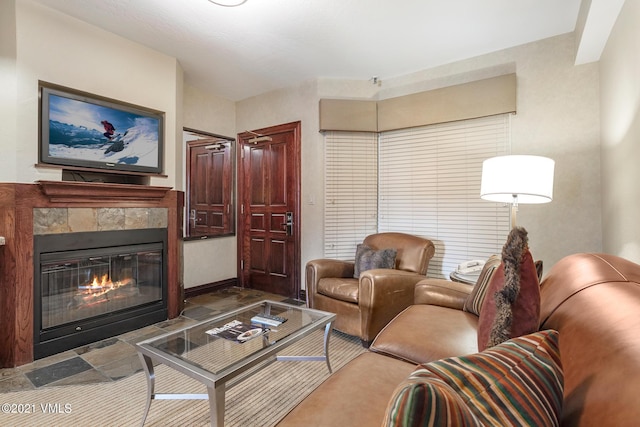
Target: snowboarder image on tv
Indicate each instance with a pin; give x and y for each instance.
(117, 142)
(109, 129)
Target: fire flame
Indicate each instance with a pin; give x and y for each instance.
(100, 289)
(103, 283)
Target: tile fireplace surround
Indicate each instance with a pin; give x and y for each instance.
(53, 207)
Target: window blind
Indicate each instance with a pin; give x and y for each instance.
(429, 185)
(351, 191)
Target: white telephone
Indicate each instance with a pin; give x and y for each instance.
(470, 267)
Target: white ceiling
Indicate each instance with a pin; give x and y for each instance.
(264, 45)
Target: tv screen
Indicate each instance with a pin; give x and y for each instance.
(84, 130)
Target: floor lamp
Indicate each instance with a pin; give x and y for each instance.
(517, 179)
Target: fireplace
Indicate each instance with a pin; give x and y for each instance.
(56, 217)
(93, 285)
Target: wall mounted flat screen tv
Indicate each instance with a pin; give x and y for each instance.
(83, 130)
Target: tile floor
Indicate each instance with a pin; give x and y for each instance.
(116, 358)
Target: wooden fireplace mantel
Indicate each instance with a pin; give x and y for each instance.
(17, 203)
(86, 192)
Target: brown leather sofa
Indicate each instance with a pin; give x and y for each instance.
(593, 300)
(364, 306)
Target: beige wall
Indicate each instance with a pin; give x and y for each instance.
(8, 85)
(620, 115)
(210, 260)
(53, 47)
(59, 49)
(558, 117)
(298, 103)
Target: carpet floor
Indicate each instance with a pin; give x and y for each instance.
(261, 400)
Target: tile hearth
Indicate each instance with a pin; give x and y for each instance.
(116, 358)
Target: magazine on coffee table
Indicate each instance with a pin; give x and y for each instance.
(236, 331)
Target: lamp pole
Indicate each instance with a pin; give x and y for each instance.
(514, 210)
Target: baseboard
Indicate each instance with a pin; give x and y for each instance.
(223, 284)
(210, 287)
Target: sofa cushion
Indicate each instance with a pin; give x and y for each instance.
(423, 333)
(512, 305)
(519, 382)
(473, 304)
(339, 288)
(368, 259)
(356, 395)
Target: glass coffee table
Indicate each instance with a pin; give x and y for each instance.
(222, 351)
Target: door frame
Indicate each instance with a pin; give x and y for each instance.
(243, 235)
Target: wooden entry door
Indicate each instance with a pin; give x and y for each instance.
(269, 217)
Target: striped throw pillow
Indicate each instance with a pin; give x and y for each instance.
(518, 382)
(474, 301)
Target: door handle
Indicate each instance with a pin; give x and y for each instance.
(288, 224)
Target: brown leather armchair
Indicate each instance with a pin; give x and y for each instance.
(365, 305)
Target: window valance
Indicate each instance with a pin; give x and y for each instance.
(348, 115)
(481, 98)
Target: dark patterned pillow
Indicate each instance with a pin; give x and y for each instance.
(474, 301)
(368, 259)
(519, 382)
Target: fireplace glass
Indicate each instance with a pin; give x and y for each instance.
(85, 284)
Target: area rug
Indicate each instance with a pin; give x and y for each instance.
(261, 400)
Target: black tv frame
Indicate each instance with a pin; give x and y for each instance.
(108, 107)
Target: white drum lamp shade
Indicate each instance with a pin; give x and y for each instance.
(517, 179)
(228, 3)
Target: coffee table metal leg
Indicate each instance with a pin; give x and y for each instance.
(325, 356)
(147, 364)
(214, 394)
(327, 334)
(216, 405)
